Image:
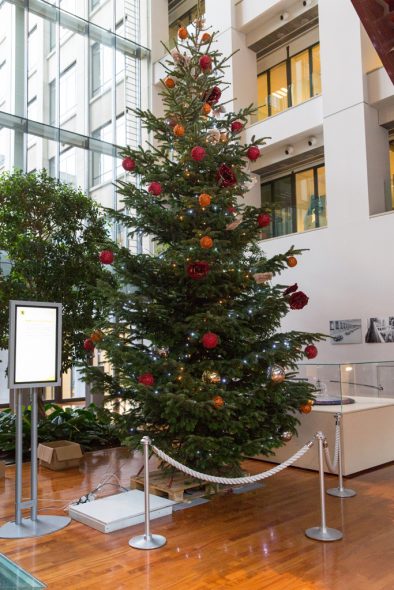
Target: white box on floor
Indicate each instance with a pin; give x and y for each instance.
(367, 434)
(119, 511)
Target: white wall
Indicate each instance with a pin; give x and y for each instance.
(347, 270)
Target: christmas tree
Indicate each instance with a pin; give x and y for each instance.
(193, 338)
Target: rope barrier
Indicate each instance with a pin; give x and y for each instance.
(332, 465)
(234, 480)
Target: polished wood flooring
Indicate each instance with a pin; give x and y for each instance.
(251, 541)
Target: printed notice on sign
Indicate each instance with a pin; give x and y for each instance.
(35, 341)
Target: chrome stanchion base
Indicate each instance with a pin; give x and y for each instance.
(342, 493)
(33, 528)
(320, 534)
(147, 542)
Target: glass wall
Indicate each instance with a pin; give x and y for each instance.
(289, 83)
(297, 202)
(70, 75)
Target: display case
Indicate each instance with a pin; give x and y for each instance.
(363, 394)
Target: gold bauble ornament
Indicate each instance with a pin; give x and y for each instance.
(276, 374)
(224, 137)
(213, 136)
(211, 377)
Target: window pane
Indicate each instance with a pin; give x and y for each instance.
(68, 93)
(316, 72)
(101, 57)
(321, 209)
(283, 207)
(266, 201)
(278, 81)
(311, 199)
(52, 102)
(305, 199)
(262, 96)
(300, 78)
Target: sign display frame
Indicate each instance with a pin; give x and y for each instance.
(51, 344)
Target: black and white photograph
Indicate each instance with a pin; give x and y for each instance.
(345, 331)
(380, 330)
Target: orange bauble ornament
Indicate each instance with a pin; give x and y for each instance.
(206, 108)
(96, 336)
(182, 33)
(206, 38)
(218, 401)
(204, 199)
(305, 408)
(206, 242)
(169, 82)
(179, 130)
(291, 261)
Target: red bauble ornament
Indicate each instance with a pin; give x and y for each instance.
(205, 62)
(197, 270)
(128, 164)
(305, 408)
(298, 300)
(210, 340)
(310, 351)
(232, 210)
(291, 289)
(106, 257)
(155, 188)
(146, 379)
(198, 153)
(264, 219)
(236, 126)
(253, 153)
(225, 176)
(88, 345)
(213, 96)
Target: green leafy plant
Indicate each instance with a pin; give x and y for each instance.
(52, 234)
(92, 427)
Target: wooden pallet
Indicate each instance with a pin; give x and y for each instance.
(173, 486)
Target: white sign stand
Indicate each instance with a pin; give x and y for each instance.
(34, 361)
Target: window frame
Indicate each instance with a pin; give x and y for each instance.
(293, 200)
(289, 80)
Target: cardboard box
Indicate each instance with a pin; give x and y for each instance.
(2, 470)
(60, 454)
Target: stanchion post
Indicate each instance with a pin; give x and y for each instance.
(18, 458)
(340, 491)
(33, 465)
(147, 540)
(322, 532)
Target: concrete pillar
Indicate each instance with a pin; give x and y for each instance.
(242, 70)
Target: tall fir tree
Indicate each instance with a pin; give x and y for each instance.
(193, 338)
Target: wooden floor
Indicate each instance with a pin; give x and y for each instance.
(251, 541)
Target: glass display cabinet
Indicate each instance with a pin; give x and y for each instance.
(363, 394)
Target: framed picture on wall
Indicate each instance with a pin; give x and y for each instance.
(380, 330)
(345, 331)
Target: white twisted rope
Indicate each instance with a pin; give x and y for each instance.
(234, 480)
(332, 465)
